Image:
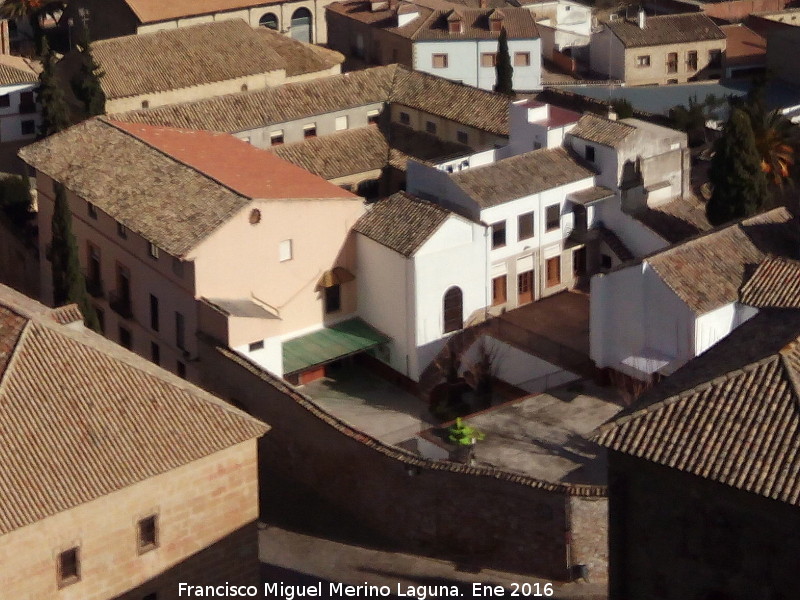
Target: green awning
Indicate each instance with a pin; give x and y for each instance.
(329, 344)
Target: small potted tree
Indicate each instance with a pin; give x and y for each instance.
(464, 437)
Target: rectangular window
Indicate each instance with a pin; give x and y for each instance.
(553, 271)
(714, 58)
(499, 295)
(5, 101)
(522, 59)
(341, 123)
(27, 104)
(525, 226)
(155, 353)
(180, 331)
(92, 210)
(153, 313)
(643, 61)
(333, 299)
(125, 338)
(430, 127)
(152, 250)
(672, 62)
(439, 61)
(498, 234)
(276, 138)
(462, 137)
(488, 59)
(590, 153)
(147, 534)
(405, 118)
(310, 130)
(553, 216)
(285, 250)
(94, 282)
(69, 567)
(256, 346)
(122, 231)
(28, 127)
(691, 60)
(180, 368)
(373, 117)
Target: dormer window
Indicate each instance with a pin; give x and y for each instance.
(455, 24)
(496, 21)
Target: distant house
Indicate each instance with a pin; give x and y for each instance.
(449, 40)
(656, 50)
(745, 53)
(19, 79)
(703, 470)
(103, 454)
(303, 20)
(201, 61)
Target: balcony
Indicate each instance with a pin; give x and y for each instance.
(121, 304)
(95, 287)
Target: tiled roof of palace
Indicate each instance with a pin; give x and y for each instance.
(15, 69)
(708, 271)
(591, 194)
(600, 130)
(730, 415)
(298, 57)
(666, 29)
(245, 111)
(173, 187)
(519, 176)
(152, 11)
(775, 283)
(402, 222)
(677, 219)
(81, 417)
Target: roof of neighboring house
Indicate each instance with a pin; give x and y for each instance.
(174, 187)
(616, 245)
(666, 29)
(82, 417)
(600, 130)
(245, 111)
(201, 54)
(707, 272)
(677, 219)
(152, 11)
(366, 149)
(591, 194)
(775, 283)
(434, 16)
(402, 222)
(519, 176)
(730, 415)
(15, 70)
(744, 45)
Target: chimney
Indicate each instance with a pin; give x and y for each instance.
(642, 18)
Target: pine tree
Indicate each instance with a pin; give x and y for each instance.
(55, 112)
(86, 82)
(740, 185)
(69, 284)
(503, 68)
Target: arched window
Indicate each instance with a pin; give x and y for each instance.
(453, 310)
(269, 20)
(301, 25)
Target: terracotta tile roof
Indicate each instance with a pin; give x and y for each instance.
(297, 57)
(64, 315)
(617, 246)
(743, 46)
(666, 29)
(152, 11)
(676, 220)
(402, 222)
(600, 130)
(775, 283)
(172, 187)
(707, 272)
(390, 84)
(15, 69)
(591, 194)
(81, 417)
(519, 176)
(731, 415)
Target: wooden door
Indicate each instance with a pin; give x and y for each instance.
(499, 290)
(553, 271)
(525, 287)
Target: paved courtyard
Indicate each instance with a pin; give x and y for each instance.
(544, 436)
(370, 404)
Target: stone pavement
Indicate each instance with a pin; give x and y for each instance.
(294, 558)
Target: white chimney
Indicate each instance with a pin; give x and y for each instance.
(642, 18)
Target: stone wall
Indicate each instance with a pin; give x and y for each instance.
(482, 516)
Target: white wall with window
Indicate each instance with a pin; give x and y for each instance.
(20, 116)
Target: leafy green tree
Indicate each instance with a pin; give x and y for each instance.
(86, 82)
(503, 68)
(462, 434)
(55, 111)
(69, 285)
(776, 137)
(740, 185)
(623, 108)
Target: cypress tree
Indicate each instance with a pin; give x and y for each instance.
(503, 68)
(740, 185)
(69, 284)
(86, 82)
(55, 112)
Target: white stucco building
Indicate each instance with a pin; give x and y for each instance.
(19, 112)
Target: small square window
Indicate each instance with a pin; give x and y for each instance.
(147, 534)
(489, 59)
(152, 250)
(522, 59)
(122, 231)
(341, 123)
(498, 234)
(28, 127)
(92, 209)
(589, 154)
(430, 127)
(405, 118)
(285, 250)
(333, 299)
(276, 137)
(553, 215)
(69, 567)
(5, 101)
(310, 130)
(643, 61)
(256, 346)
(525, 226)
(145, 104)
(439, 61)
(462, 137)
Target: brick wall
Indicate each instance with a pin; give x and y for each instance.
(197, 505)
(488, 517)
